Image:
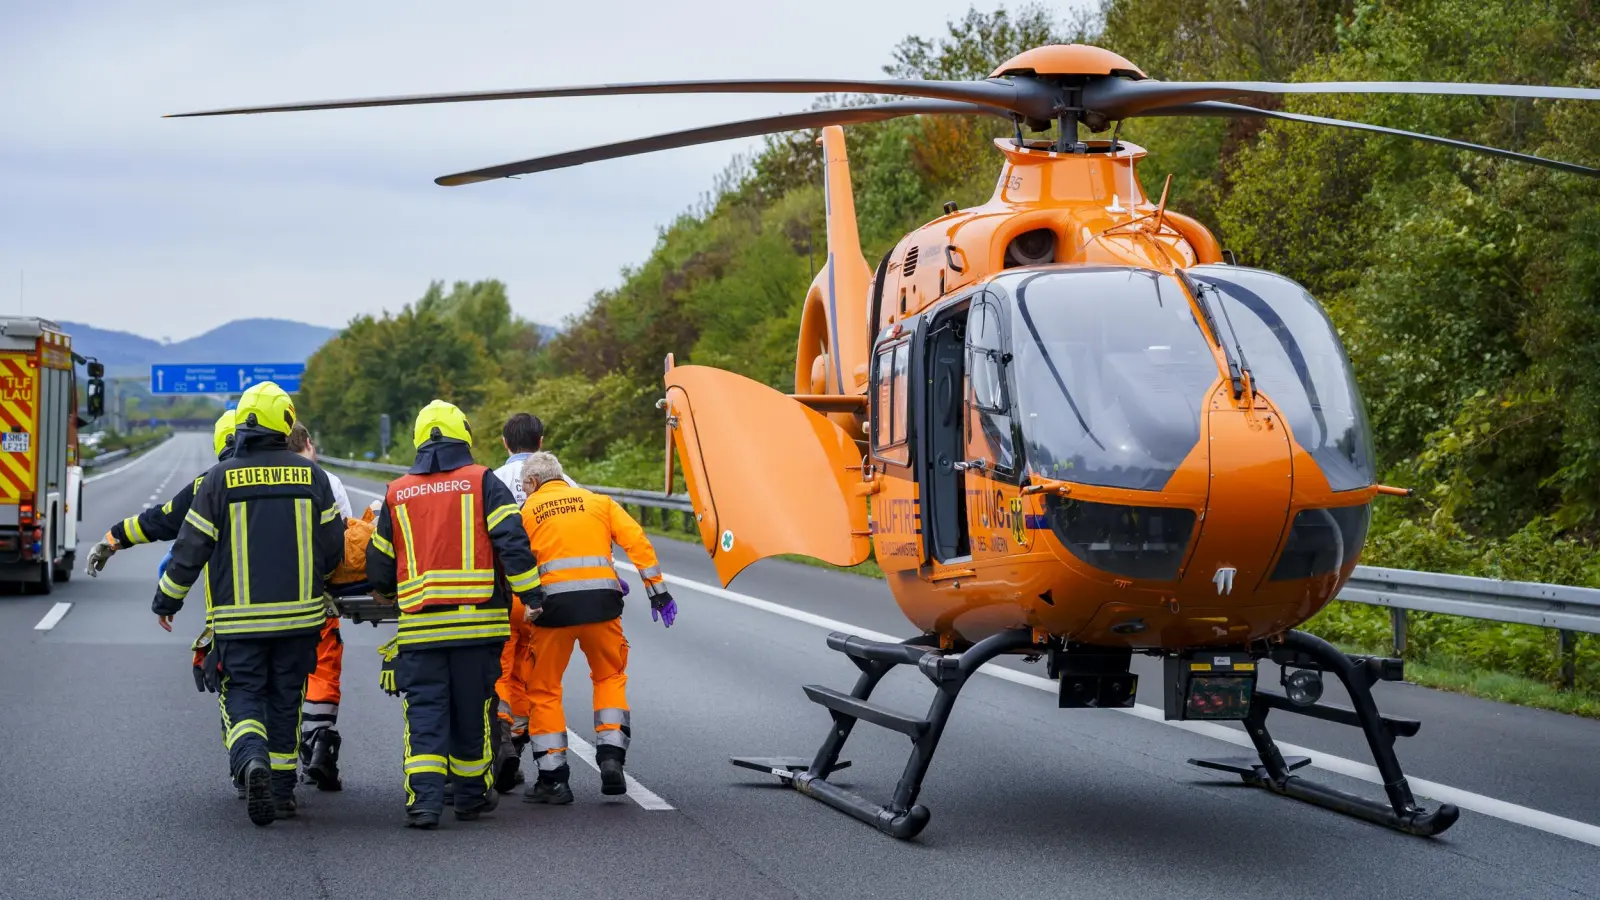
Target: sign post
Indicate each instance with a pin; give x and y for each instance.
(223, 378)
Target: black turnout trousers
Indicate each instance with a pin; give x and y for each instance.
(263, 687)
(449, 706)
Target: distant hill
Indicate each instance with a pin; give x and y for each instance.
(244, 340)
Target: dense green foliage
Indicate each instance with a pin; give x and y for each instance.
(1467, 288)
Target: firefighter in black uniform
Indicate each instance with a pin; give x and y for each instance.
(266, 529)
(451, 549)
(160, 523)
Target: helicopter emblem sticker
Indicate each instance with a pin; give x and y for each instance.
(1019, 523)
(727, 541)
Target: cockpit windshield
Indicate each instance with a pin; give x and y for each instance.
(1295, 358)
(1111, 371)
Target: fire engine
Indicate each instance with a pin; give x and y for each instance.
(41, 482)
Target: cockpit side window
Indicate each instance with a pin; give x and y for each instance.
(890, 368)
(989, 424)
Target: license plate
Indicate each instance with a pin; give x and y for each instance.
(15, 441)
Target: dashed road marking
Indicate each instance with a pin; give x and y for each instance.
(637, 792)
(1538, 820)
(54, 616)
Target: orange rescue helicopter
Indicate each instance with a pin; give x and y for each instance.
(1068, 424)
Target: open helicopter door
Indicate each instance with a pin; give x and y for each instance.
(766, 474)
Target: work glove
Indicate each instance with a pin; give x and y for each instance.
(98, 554)
(207, 664)
(162, 568)
(386, 678)
(533, 601)
(663, 609)
(624, 586)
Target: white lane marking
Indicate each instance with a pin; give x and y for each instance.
(51, 618)
(1549, 823)
(128, 465)
(637, 792)
(355, 490)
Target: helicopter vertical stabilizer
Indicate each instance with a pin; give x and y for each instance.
(835, 336)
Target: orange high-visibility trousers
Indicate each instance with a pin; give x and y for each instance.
(321, 706)
(516, 671)
(607, 652)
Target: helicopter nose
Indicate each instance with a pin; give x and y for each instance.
(1247, 505)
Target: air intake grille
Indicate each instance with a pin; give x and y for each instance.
(908, 267)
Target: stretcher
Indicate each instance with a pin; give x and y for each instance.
(358, 603)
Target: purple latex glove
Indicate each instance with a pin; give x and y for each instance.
(624, 584)
(663, 609)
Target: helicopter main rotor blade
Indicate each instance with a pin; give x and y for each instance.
(749, 128)
(1120, 98)
(993, 93)
(1234, 111)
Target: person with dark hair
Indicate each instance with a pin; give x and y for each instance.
(523, 435)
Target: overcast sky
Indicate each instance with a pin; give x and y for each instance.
(111, 215)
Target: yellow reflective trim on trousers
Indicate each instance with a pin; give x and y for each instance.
(404, 518)
(302, 540)
(130, 526)
(201, 524)
(247, 726)
(467, 531)
(501, 513)
(383, 545)
(239, 537)
(171, 588)
(405, 716)
(468, 767)
(283, 762)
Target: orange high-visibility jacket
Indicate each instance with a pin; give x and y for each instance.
(571, 531)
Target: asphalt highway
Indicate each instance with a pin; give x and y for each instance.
(113, 779)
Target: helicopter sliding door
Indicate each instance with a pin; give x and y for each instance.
(942, 460)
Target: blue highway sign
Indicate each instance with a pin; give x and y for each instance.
(223, 378)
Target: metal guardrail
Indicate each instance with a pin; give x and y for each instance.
(1565, 608)
(115, 455)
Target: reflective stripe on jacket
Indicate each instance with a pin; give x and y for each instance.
(264, 532)
(572, 531)
(449, 546)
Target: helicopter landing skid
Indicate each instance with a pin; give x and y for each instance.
(1359, 674)
(902, 817)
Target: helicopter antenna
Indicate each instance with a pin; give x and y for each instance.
(1161, 208)
(1016, 122)
(1115, 130)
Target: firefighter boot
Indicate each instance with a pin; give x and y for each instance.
(284, 808)
(550, 787)
(491, 799)
(612, 780)
(257, 780)
(322, 765)
(426, 819)
(507, 765)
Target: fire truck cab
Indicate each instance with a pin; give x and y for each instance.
(41, 483)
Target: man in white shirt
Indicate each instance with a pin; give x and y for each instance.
(319, 712)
